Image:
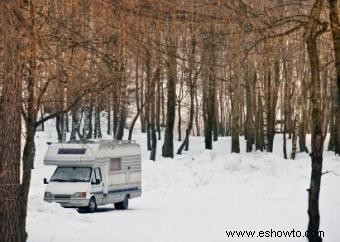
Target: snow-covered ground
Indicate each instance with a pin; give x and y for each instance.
(196, 197)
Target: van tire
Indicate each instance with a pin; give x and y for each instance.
(92, 205)
(123, 205)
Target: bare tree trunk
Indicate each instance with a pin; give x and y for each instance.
(123, 102)
(179, 106)
(335, 27)
(216, 117)
(158, 108)
(134, 120)
(10, 127)
(259, 143)
(108, 129)
(42, 116)
(132, 125)
(272, 101)
(192, 86)
(163, 105)
(59, 127)
(332, 129)
(87, 129)
(75, 123)
(209, 86)
(115, 106)
(168, 146)
(285, 109)
(97, 126)
(61, 117)
(148, 103)
(142, 116)
(197, 122)
(222, 127)
(250, 129)
(304, 117)
(67, 124)
(235, 107)
(179, 128)
(264, 125)
(295, 135)
(28, 161)
(317, 135)
(153, 114)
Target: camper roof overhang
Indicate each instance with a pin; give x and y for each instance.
(71, 154)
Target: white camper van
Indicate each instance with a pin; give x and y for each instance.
(94, 173)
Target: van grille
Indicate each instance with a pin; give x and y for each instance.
(61, 196)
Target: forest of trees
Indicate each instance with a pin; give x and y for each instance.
(247, 69)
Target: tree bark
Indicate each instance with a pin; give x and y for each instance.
(249, 129)
(97, 125)
(108, 129)
(312, 32)
(332, 128)
(235, 125)
(285, 109)
(123, 106)
(75, 123)
(158, 107)
(335, 28)
(179, 124)
(10, 126)
(148, 104)
(87, 129)
(294, 139)
(197, 119)
(168, 145)
(192, 85)
(259, 143)
(142, 116)
(272, 101)
(209, 86)
(153, 115)
(304, 118)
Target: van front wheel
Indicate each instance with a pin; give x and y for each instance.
(122, 205)
(92, 205)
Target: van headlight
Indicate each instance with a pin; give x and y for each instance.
(79, 195)
(48, 195)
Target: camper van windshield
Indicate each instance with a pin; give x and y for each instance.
(72, 174)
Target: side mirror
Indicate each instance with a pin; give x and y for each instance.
(97, 181)
(45, 181)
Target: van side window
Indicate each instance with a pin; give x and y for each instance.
(93, 180)
(116, 164)
(98, 173)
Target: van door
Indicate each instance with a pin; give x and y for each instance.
(97, 185)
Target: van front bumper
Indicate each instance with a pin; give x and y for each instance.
(70, 203)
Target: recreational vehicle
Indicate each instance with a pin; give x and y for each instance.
(93, 173)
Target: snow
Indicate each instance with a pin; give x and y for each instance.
(196, 197)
